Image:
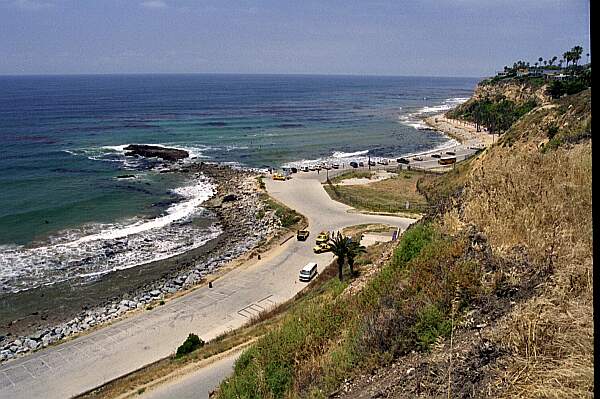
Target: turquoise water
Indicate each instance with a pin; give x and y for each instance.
(63, 136)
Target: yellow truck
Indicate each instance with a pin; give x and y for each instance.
(323, 237)
(320, 248)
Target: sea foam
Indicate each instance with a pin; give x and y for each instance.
(97, 249)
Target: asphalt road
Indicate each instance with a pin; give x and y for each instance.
(195, 385)
(86, 362)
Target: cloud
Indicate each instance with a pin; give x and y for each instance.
(154, 4)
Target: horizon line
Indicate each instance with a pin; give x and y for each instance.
(232, 73)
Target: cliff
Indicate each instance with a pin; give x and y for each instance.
(497, 105)
(519, 91)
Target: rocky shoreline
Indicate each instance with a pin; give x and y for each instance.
(235, 205)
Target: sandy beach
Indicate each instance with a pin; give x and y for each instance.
(464, 132)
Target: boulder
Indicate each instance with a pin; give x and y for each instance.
(229, 198)
(149, 151)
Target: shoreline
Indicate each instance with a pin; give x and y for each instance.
(67, 311)
(463, 132)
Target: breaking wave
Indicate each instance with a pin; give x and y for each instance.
(415, 119)
(97, 249)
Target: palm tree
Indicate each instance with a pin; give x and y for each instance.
(354, 250)
(567, 57)
(340, 245)
(576, 54)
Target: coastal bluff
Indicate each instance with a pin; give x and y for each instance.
(149, 151)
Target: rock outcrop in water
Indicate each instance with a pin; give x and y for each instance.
(149, 151)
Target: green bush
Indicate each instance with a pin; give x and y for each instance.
(558, 88)
(496, 113)
(431, 324)
(191, 343)
(287, 216)
(413, 241)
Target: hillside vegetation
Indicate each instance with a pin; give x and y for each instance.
(489, 295)
(388, 195)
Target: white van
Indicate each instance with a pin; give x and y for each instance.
(308, 272)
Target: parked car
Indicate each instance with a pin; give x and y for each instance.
(354, 164)
(320, 248)
(323, 237)
(335, 166)
(450, 153)
(418, 158)
(308, 272)
(302, 235)
(403, 160)
(436, 155)
(447, 160)
(278, 176)
(372, 163)
(294, 170)
(304, 168)
(383, 161)
(361, 164)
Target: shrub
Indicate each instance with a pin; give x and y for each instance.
(288, 217)
(412, 243)
(261, 183)
(552, 131)
(557, 88)
(496, 113)
(431, 324)
(191, 343)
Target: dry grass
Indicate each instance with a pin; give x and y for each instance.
(540, 205)
(357, 230)
(389, 195)
(353, 174)
(544, 211)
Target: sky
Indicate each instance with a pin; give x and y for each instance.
(472, 38)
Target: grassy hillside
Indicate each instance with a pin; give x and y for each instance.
(389, 195)
(489, 295)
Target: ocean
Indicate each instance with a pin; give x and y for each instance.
(64, 212)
